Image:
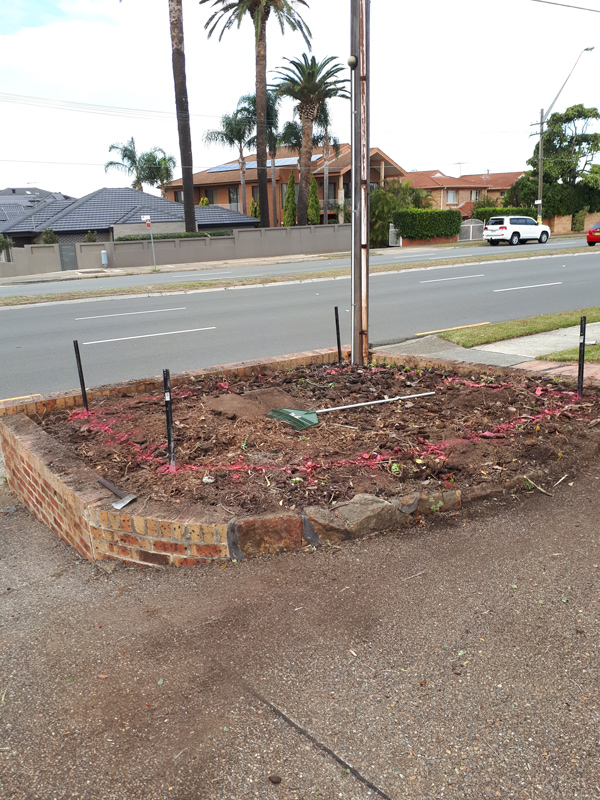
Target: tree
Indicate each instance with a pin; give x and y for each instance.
(289, 207)
(310, 83)
(154, 167)
(235, 131)
(48, 236)
(522, 194)
(232, 12)
(129, 163)
(386, 200)
(157, 170)
(314, 206)
(324, 123)
(569, 147)
(254, 209)
(485, 201)
(183, 113)
(247, 105)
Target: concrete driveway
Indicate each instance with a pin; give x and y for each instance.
(459, 660)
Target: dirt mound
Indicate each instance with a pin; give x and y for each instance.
(472, 434)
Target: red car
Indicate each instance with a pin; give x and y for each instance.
(594, 234)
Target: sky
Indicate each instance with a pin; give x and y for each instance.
(455, 84)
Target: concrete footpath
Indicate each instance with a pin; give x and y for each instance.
(521, 352)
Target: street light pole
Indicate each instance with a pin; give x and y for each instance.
(543, 118)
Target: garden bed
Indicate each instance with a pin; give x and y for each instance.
(478, 434)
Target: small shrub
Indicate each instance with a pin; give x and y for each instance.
(49, 237)
(196, 235)
(314, 206)
(91, 237)
(290, 210)
(204, 201)
(579, 219)
(254, 209)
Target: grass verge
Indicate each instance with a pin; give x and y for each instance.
(227, 283)
(473, 337)
(592, 354)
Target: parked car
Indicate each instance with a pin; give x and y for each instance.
(514, 230)
(593, 235)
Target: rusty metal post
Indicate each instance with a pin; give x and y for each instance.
(359, 63)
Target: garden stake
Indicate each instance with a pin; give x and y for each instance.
(169, 413)
(80, 371)
(337, 332)
(582, 325)
(300, 420)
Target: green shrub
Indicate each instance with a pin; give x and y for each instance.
(255, 209)
(314, 207)
(196, 235)
(579, 219)
(342, 208)
(484, 214)
(425, 223)
(204, 201)
(49, 237)
(5, 243)
(290, 210)
(392, 196)
(91, 236)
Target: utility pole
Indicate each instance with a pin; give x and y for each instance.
(361, 173)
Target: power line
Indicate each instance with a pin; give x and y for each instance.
(566, 5)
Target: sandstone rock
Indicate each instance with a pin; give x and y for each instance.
(361, 516)
(264, 535)
(407, 503)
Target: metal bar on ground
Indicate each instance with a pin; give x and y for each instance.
(582, 326)
(80, 371)
(169, 415)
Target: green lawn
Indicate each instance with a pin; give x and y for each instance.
(486, 334)
(592, 354)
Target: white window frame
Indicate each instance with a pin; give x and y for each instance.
(453, 193)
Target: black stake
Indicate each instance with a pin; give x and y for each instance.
(169, 413)
(80, 371)
(582, 325)
(337, 331)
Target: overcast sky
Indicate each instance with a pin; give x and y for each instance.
(455, 83)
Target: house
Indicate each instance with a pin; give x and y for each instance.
(496, 183)
(221, 184)
(446, 191)
(14, 202)
(112, 213)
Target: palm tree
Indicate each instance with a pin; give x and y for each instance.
(310, 83)
(157, 168)
(154, 167)
(323, 122)
(235, 131)
(231, 12)
(129, 163)
(247, 105)
(183, 113)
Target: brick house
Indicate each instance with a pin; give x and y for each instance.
(496, 183)
(448, 192)
(221, 184)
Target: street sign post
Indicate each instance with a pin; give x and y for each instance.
(148, 221)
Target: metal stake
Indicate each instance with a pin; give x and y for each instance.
(169, 414)
(582, 325)
(337, 332)
(80, 371)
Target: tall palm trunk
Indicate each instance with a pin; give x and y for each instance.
(272, 156)
(326, 152)
(242, 163)
(183, 113)
(261, 120)
(307, 115)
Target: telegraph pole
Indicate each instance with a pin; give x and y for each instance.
(361, 169)
(540, 168)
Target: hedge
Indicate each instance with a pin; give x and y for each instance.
(484, 214)
(426, 223)
(196, 235)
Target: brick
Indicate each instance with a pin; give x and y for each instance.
(208, 534)
(126, 523)
(178, 529)
(153, 558)
(165, 529)
(114, 520)
(152, 527)
(103, 517)
(139, 525)
(169, 547)
(131, 541)
(195, 531)
(209, 550)
(221, 533)
(178, 561)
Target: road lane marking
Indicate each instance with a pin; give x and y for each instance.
(132, 313)
(458, 327)
(534, 286)
(148, 335)
(459, 278)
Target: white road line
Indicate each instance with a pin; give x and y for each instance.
(459, 278)
(148, 335)
(535, 286)
(132, 313)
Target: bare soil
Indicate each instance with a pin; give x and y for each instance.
(474, 434)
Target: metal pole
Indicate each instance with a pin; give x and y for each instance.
(540, 168)
(356, 289)
(169, 414)
(582, 326)
(365, 177)
(81, 379)
(153, 253)
(337, 333)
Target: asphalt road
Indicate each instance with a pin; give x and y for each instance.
(407, 256)
(135, 337)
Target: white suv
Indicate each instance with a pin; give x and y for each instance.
(514, 230)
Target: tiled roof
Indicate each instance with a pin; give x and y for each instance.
(432, 179)
(10, 210)
(35, 218)
(344, 162)
(32, 193)
(106, 207)
(495, 180)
